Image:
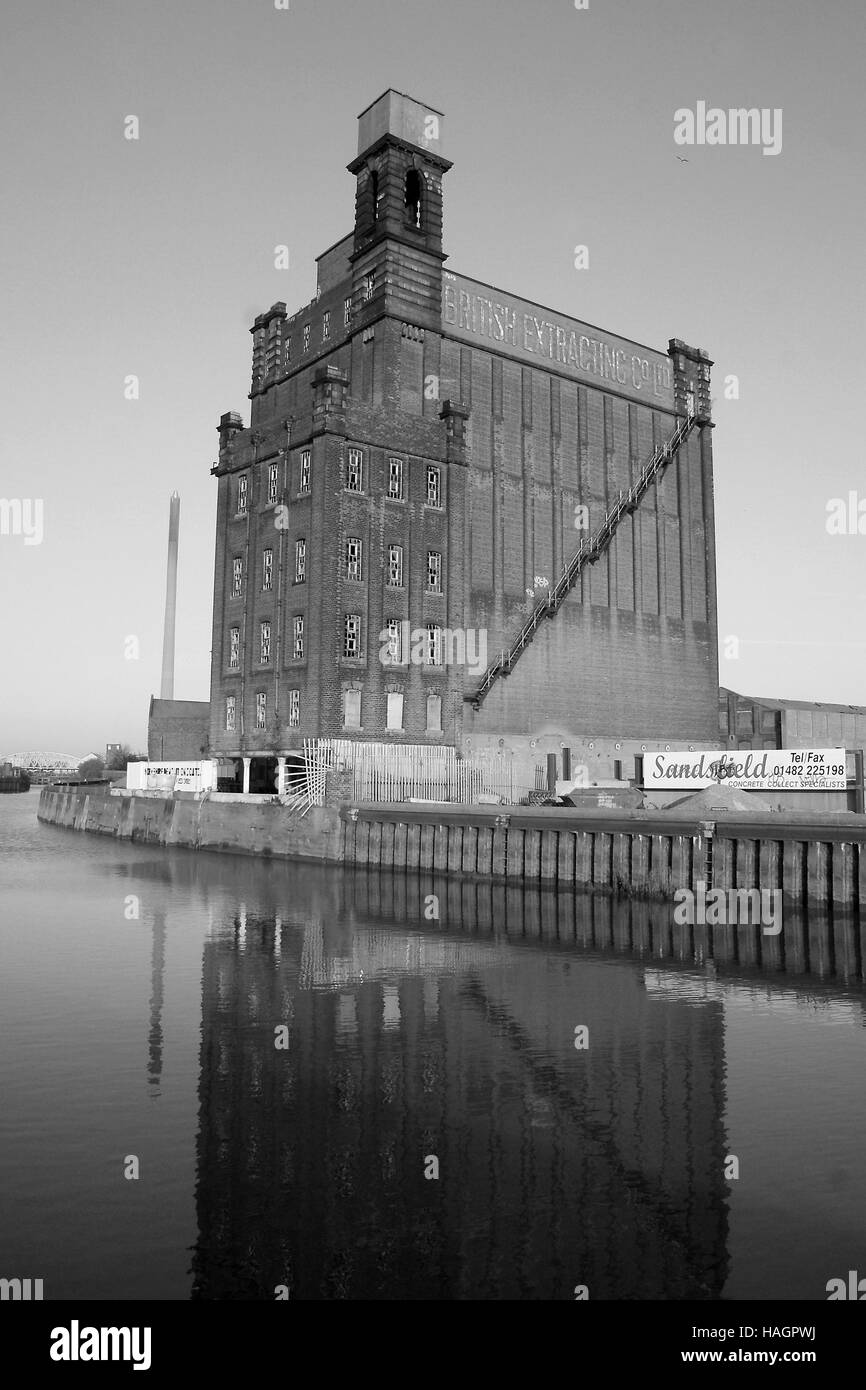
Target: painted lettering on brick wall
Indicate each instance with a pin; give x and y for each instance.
(469, 309)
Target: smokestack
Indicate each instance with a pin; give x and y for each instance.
(166, 691)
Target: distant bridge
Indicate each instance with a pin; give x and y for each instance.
(44, 766)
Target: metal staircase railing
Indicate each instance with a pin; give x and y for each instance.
(587, 553)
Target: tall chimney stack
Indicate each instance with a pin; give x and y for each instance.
(167, 688)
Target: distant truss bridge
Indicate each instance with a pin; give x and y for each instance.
(44, 766)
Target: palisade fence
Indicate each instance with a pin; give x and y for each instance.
(306, 788)
(397, 772)
(317, 760)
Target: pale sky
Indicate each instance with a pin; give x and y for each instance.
(152, 257)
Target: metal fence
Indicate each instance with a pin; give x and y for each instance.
(398, 772)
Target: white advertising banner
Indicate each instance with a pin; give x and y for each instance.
(168, 777)
(775, 769)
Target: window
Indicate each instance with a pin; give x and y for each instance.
(369, 282)
(273, 482)
(266, 643)
(434, 490)
(433, 646)
(412, 198)
(305, 471)
(434, 572)
(352, 709)
(355, 471)
(299, 638)
(261, 709)
(374, 190)
(392, 655)
(234, 647)
(326, 325)
(230, 714)
(267, 569)
(347, 312)
(395, 479)
(395, 712)
(306, 337)
(352, 636)
(294, 708)
(300, 561)
(237, 576)
(434, 714)
(353, 558)
(745, 720)
(242, 493)
(288, 360)
(395, 566)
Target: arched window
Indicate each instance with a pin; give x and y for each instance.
(412, 198)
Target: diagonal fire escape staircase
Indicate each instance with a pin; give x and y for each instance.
(587, 553)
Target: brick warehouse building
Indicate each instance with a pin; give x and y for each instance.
(425, 459)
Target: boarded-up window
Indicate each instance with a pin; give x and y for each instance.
(434, 714)
(352, 709)
(395, 711)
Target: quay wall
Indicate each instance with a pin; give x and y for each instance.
(636, 853)
(639, 854)
(240, 827)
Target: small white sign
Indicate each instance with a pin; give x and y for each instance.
(774, 769)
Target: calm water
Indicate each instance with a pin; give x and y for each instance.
(410, 1038)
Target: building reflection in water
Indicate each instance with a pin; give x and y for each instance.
(157, 997)
(455, 1038)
